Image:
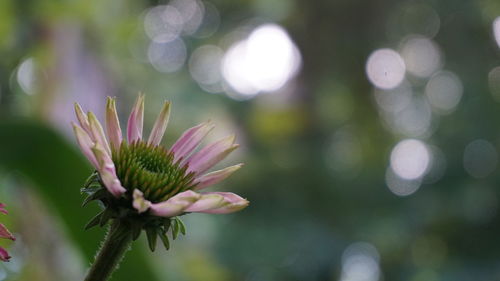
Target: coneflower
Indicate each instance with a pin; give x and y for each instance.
(145, 186)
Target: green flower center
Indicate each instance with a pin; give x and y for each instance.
(152, 170)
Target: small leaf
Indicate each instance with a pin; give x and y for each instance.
(93, 178)
(94, 221)
(182, 227)
(175, 229)
(151, 234)
(164, 239)
(94, 196)
(93, 187)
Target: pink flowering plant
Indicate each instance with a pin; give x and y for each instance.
(4, 233)
(142, 185)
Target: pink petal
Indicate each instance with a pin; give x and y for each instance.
(86, 144)
(160, 125)
(97, 132)
(190, 140)
(215, 177)
(139, 203)
(232, 203)
(175, 205)
(4, 255)
(135, 121)
(113, 124)
(5, 233)
(211, 155)
(206, 202)
(107, 171)
(2, 209)
(82, 118)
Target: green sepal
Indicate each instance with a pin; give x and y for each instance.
(94, 177)
(94, 221)
(152, 235)
(95, 196)
(182, 227)
(93, 187)
(175, 229)
(164, 239)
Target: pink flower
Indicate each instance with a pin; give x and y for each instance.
(4, 233)
(152, 179)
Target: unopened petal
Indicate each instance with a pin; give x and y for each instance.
(211, 155)
(113, 124)
(232, 203)
(175, 205)
(135, 120)
(82, 118)
(215, 177)
(86, 144)
(5, 233)
(97, 132)
(4, 255)
(160, 125)
(140, 204)
(107, 171)
(190, 140)
(207, 202)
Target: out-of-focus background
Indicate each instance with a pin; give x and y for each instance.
(370, 132)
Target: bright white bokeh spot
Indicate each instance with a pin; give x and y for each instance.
(444, 91)
(26, 76)
(163, 23)
(421, 55)
(360, 262)
(396, 99)
(399, 186)
(480, 158)
(235, 70)
(263, 62)
(496, 30)
(410, 159)
(385, 68)
(167, 57)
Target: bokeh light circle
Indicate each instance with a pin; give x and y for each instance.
(385, 69)
(410, 159)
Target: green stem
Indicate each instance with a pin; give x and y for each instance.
(112, 251)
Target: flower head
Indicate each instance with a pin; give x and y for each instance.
(4, 233)
(146, 184)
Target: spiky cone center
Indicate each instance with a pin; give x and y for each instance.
(152, 170)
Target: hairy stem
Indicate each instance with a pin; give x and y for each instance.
(112, 251)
